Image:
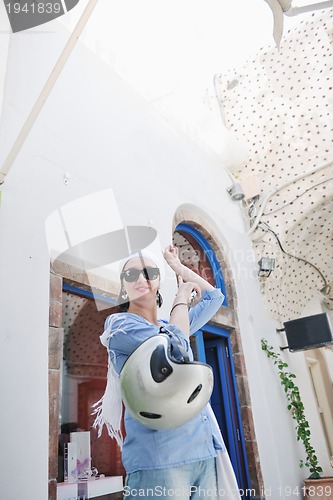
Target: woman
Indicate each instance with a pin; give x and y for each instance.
(179, 462)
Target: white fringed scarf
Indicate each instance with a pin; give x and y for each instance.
(109, 408)
(227, 487)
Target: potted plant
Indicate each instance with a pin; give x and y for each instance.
(316, 487)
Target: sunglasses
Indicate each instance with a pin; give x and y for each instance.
(131, 275)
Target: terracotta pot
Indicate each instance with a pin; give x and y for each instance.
(318, 489)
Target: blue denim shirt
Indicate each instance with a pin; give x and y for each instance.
(196, 440)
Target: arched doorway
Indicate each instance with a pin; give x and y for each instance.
(212, 344)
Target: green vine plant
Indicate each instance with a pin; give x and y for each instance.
(296, 407)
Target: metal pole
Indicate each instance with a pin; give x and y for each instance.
(294, 11)
(53, 77)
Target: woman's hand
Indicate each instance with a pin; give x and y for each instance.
(187, 291)
(171, 255)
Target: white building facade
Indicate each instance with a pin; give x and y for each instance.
(95, 133)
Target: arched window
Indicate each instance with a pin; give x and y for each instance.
(197, 254)
(212, 344)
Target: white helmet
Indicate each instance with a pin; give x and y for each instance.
(163, 392)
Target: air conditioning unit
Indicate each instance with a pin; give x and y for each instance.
(309, 332)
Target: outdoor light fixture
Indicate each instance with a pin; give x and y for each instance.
(326, 290)
(266, 266)
(236, 192)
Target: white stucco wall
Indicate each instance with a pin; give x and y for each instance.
(97, 129)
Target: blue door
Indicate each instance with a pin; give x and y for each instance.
(213, 347)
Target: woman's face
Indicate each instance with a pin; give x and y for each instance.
(137, 285)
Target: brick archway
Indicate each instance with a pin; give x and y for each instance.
(226, 318)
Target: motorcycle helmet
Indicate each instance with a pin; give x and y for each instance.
(161, 387)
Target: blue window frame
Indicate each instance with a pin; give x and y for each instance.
(86, 293)
(210, 255)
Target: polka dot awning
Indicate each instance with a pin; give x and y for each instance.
(283, 108)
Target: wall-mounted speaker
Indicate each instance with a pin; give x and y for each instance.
(309, 332)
